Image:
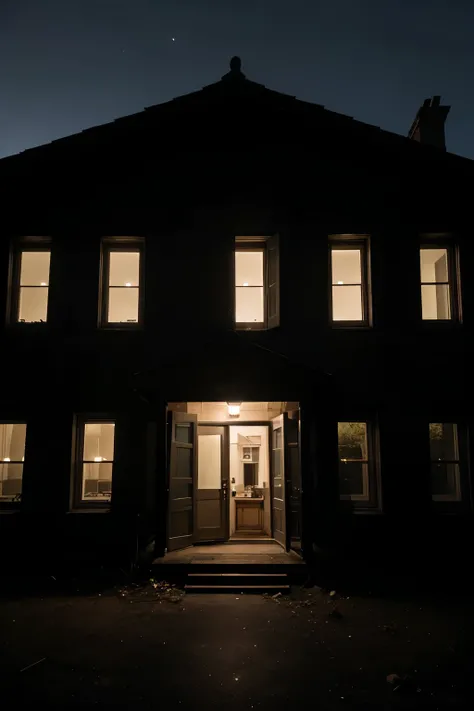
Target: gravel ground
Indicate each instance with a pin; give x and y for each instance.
(145, 646)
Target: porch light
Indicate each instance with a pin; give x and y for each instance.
(234, 408)
(99, 459)
(6, 459)
(43, 283)
(127, 283)
(340, 282)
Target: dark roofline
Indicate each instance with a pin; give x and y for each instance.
(234, 80)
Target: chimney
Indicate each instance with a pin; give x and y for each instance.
(428, 126)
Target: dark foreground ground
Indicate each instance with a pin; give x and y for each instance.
(144, 647)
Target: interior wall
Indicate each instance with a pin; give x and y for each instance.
(435, 299)
(236, 468)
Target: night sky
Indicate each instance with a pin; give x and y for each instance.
(66, 65)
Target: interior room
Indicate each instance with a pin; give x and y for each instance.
(34, 286)
(98, 457)
(124, 278)
(435, 297)
(12, 457)
(250, 506)
(346, 285)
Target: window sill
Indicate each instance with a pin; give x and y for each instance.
(446, 501)
(90, 509)
(451, 508)
(28, 325)
(120, 327)
(440, 323)
(5, 509)
(359, 507)
(245, 328)
(367, 511)
(349, 325)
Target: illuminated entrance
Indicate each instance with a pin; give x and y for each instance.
(234, 473)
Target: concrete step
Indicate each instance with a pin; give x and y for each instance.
(237, 582)
(241, 589)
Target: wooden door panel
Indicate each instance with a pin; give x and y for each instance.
(278, 490)
(293, 479)
(209, 511)
(211, 522)
(182, 444)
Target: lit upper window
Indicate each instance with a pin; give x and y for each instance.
(33, 286)
(257, 282)
(249, 287)
(435, 284)
(121, 279)
(348, 286)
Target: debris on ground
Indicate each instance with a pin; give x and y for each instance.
(402, 683)
(33, 665)
(391, 628)
(302, 601)
(155, 591)
(167, 591)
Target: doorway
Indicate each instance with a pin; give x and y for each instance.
(233, 478)
(250, 500)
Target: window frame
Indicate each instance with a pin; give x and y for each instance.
(247, 244)
(352, 242)
(109, 245)
(77, 502)
(9, 505)
(462, 466)
(453, 279)
(13, 306)
(371, 501)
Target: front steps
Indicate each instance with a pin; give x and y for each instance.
(237, 582)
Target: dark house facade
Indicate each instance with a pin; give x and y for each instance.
(237, 278)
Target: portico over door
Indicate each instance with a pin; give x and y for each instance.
(182, 462)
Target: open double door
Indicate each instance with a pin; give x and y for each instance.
(198, 461)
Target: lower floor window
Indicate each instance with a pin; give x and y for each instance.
(97, 460)
(12, 457)
(354, 461)
(445, 462)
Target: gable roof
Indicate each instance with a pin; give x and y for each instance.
(234, 109)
